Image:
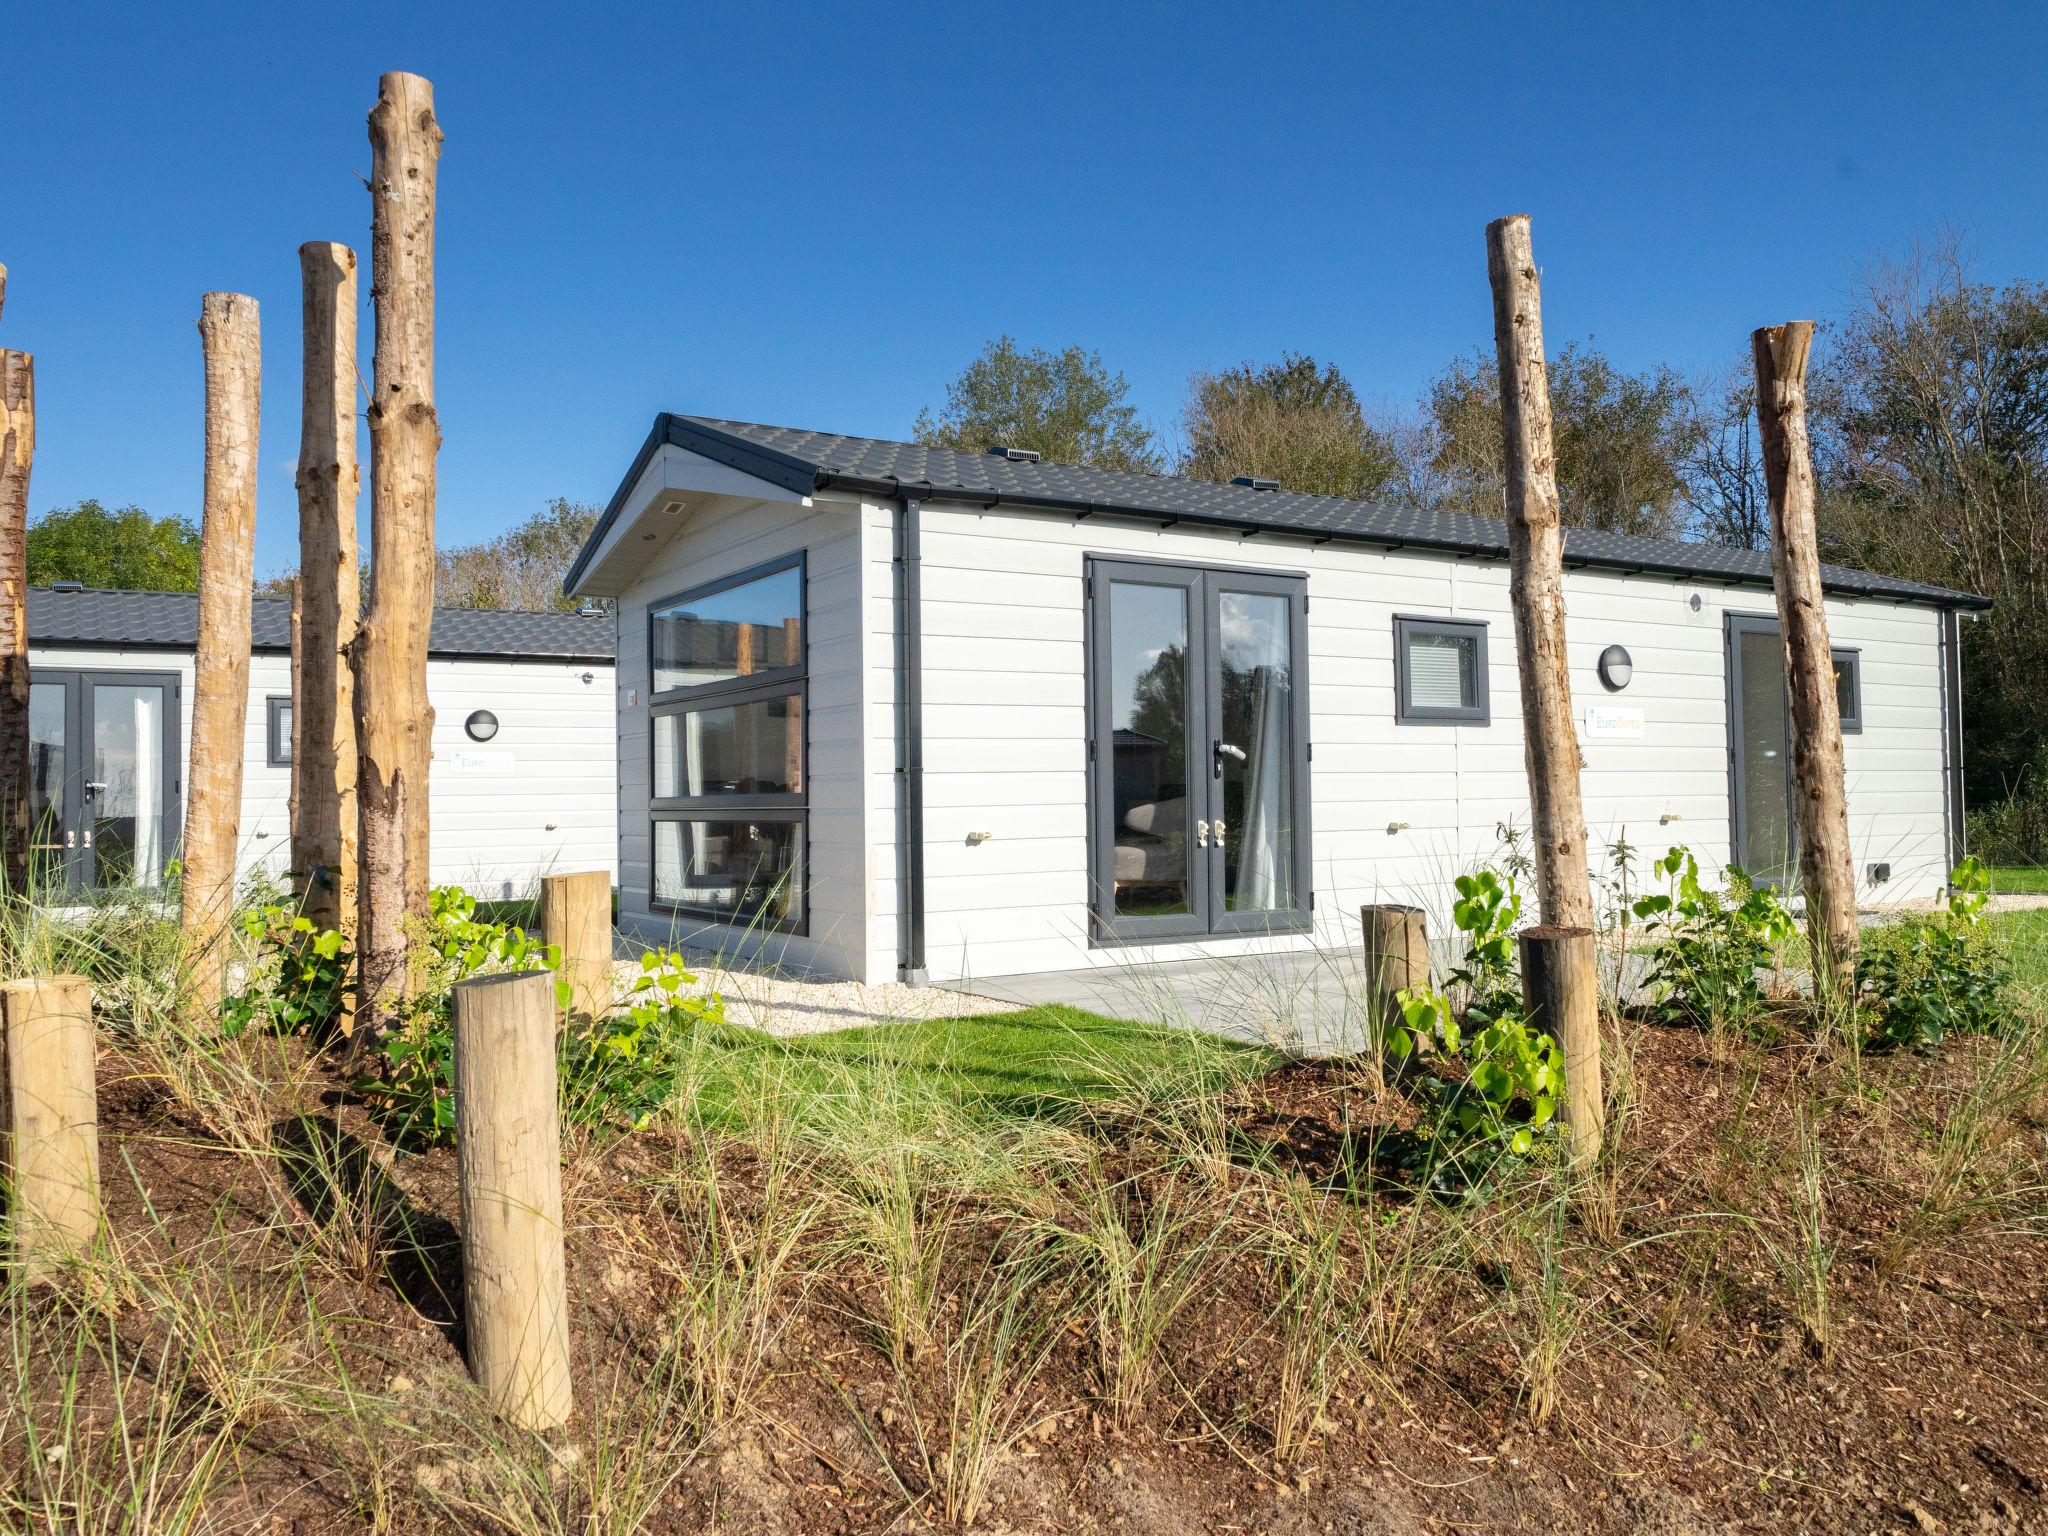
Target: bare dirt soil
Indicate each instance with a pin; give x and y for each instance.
(1687, 1390)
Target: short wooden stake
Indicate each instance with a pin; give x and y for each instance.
(1396, 956)
(51, 1106)
(576, 914)
(509, 1151)
(1561, 989)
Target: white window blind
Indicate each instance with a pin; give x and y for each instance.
(1440, 671)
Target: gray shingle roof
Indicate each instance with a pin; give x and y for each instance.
(170, 620)
(815, 461)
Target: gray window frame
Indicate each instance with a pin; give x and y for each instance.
(693, 697)
(1408, 713)
(78, 683)
(1851, 657)
(1209, 915)
(277, 743)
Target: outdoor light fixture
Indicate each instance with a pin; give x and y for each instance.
(1616, 668)
(482, 725)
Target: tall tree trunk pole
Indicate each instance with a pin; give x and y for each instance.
(17, 454)
(229, 334)
(394, 723)
(323, 721)
(1550, 742)
(1825, 862)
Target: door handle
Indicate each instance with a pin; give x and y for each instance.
(1224, 749)
(94, 787)
(1219, 834)
(1201, 834)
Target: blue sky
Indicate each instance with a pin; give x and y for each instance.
(817, 215)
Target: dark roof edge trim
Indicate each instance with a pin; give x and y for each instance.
(670, 430)
(892, 489)
(434, 653)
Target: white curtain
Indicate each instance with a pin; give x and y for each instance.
(1265, 877)
(149, 778)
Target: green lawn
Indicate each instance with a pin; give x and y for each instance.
(2018, 879)
(1048, 1061)
(2027, 935)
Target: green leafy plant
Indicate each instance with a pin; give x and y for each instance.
(1487, 908)
(626, 1066)
(1924, 978)
(1513, 1075)
(415, 1093)
(301, 980)
(1710, 944)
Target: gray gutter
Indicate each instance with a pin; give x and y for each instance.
(910, 955)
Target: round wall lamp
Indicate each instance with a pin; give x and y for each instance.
(482, 725)
(1616, 668)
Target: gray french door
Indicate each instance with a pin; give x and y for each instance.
(1198, 751)
(104, 780)
(1764, 828)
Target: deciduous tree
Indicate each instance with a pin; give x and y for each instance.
(123, 548)
(1065, 404)
(1294, 421)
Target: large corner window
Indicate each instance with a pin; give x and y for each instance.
(729, 805)
(1440, 672)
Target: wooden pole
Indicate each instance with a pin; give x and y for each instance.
(52, 1119)
(297, 705)
(17, 455)
(229, 334)
(1561, 992)
(394, 722)
(1396, 957)
(323, 720)
(1825, 862)
(509, 1151)
(1550, 742)
(576, 914)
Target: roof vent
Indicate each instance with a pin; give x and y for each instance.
(67, 586)
(1255, 482)
(590, 610)
(1014, 455)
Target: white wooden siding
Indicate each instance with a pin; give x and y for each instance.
(540, 797)
(1397, 810)
(719, 537)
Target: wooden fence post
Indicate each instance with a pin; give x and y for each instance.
(323, 719)
(1550, 740)
(394, 721)
(17, 455)
(576, 913)
(1826, 863)
(51, 1112)
(229, 334)
(1396, 956)
(509, 1151)
(1561, 992)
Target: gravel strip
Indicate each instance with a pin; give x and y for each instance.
(784, 1005)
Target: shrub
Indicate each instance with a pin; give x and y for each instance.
(1485, 912)
(1710, 944)
(301, 979)
(2015, 830)
(625, 1067)
(1924, 978)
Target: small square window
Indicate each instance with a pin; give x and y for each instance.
(1849, 689)
(1440, 672)
(279, 731)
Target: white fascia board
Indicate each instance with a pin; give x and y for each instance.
(673, 486)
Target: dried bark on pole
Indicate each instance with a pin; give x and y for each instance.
(1826, 864)
(51, 1119)
(394, 722)
(509, 1147)
(1561, 992)
(323, 719)
(576, 914)
(1550, 742)
(17, 455)
(1396, 957)
(229, 334)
